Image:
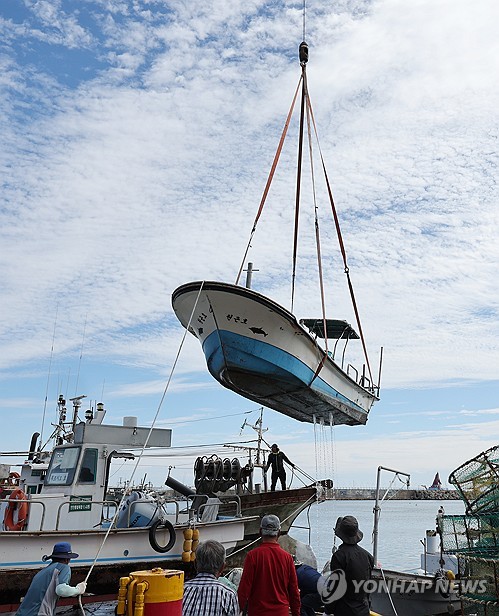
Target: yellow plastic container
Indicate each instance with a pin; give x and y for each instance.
(157, 592)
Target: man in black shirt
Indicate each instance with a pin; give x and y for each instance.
(276, 459)
(356, 564)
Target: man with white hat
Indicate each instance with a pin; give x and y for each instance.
(268, 585)
(51, 583)
(355, 565)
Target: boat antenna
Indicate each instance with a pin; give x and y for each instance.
(48, 375)
(304, 18)
(81, 354)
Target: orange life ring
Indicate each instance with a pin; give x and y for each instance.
(17, 504)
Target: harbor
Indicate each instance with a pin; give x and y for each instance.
(248, 261)
(406, 494)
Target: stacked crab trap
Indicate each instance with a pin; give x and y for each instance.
(474, 537)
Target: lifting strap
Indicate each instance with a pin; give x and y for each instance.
(270, 178)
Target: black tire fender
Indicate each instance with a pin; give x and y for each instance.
(152, 536)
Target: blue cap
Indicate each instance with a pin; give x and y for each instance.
(63, 550)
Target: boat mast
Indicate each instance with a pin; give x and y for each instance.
(249, 274)
(377, 508)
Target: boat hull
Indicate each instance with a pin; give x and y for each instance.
(412, 595)
(258, 349)
(125, 550)
(285, 504)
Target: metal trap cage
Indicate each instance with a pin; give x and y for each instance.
(477, 533)
(477, 481)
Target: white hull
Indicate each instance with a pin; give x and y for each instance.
(257, 348)
(125, 550)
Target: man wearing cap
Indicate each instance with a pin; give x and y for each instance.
(276, 459)
(206, 594)
(356, 564)
(51, 583)
(268, 585)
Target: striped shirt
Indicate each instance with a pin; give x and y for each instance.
(205, 595)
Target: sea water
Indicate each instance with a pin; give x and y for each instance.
(401, 530)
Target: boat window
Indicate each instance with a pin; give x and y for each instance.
(62, 467)
(88, 466)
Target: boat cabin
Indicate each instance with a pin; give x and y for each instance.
(68, 491)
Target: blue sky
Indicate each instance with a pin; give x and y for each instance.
(135, 142)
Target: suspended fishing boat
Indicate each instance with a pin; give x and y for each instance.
(259, 349)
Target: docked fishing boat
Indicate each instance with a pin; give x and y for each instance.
(259, 349)
(61, 494)
(428, 591)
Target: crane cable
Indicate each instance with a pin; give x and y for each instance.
(270, 178)
(341, 244)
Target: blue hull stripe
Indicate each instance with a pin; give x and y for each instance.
(226, 350)
(89, 561)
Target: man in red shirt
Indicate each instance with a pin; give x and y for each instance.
(269, 586)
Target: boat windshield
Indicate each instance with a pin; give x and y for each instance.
(88, 466)
(63, 465)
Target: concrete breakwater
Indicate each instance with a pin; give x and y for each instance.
(370, 494)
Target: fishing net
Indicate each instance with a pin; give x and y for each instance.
(472, 608)
(479, 579)
(477, 481)
(474, 537)
(476, 534)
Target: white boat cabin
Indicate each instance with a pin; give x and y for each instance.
(67, 491)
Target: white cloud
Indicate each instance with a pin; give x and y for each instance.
(141, 166)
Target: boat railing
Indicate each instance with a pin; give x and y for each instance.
(160, 506)
(229, 500)
(206, 508)
(353, 369)
(363, 380)
(30, 503)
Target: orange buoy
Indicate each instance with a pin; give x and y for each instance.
(157, 592)
(16, 513)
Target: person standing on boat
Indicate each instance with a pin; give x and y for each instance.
(51, 583)
(276, 459)
(354, 565)
(269, 586)
(205, 594)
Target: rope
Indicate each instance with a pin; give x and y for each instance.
(315, 447)
(341, 244)
(245, 547)
(48, 375)
(81, 355)
(148, 435)
(298, 183)
(388, 591)
(270, 178)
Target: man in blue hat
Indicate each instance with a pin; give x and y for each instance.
(51, 583)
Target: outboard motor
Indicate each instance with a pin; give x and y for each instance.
(138, 509)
